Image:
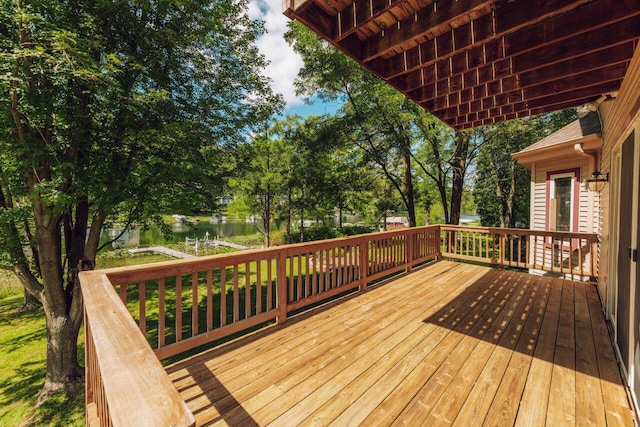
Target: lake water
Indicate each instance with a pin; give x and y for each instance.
(154, 237)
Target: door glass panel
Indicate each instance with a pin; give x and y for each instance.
(563, 203)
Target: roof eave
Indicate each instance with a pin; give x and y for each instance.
(590, 143)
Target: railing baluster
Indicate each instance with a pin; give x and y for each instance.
(269, 285)
(223, 296)
(247, 290)
(299, 277)
(313, 257)
(291, 276)
(194, 304)
(142, 300)
(161, 314)
(209, 300)
(334, 267)
(307, 277)
(123, 293)
(363, 251)
(178, 308)
(258, 287)
(236, 294)
(570, 256)
(511, 239)
(322, 279)
(281, 288)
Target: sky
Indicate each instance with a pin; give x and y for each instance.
(284, 62)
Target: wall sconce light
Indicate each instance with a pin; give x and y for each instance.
(596, 181)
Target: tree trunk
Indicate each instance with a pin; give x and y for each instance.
(30, 302)
(62, 308)
(63, 371)
(512, 191)
(289, 215)
(302, 216)
(408, 182)
(266, 218)
(458, 166)
(427, 214)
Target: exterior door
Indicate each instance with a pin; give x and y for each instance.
(623, 321)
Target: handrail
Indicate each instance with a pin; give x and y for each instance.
(121, 369)
(567, 253)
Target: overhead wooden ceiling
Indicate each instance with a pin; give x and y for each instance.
(477, 62)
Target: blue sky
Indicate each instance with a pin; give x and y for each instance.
(284, 62)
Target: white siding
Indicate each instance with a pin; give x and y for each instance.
(588, 203)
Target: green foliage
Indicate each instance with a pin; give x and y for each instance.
(323, 232)
(392, 134)
(115, 111)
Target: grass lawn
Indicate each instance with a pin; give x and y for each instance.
(22, 365)
(23, 359)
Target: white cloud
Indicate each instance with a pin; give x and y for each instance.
(284, 62)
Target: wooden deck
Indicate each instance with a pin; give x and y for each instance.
(448, 344)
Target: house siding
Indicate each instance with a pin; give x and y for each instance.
(588, 202)
(620, 117)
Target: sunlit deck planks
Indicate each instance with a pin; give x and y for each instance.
(450, 343)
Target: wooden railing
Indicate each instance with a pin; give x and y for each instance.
(138, 315)
(572, 254)
(135, 316)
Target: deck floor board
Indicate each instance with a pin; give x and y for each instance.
(445, 344)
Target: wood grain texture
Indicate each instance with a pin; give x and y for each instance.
(448, 343)
(136, 388)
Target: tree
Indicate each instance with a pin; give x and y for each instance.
(373, 117)
(110, 109)
(502, 186)
(445, 156)
(262, 181)
(392, 132)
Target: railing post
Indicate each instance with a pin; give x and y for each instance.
(281, 286)
(364, 263)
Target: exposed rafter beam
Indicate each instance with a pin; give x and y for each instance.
(361, 13)
(460, 87)
(471, 121)
(419, 24)
(487, 98)
(569, 40)
(465, 42)
(458, 114)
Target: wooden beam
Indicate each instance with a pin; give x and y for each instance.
(579, 66)
(423, 22)
(501, 21)
(542, 105)
(316, 18)
(361, 13)
(601, 14)
(540, 97)
(507, 70)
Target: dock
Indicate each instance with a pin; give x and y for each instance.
(161, 250)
